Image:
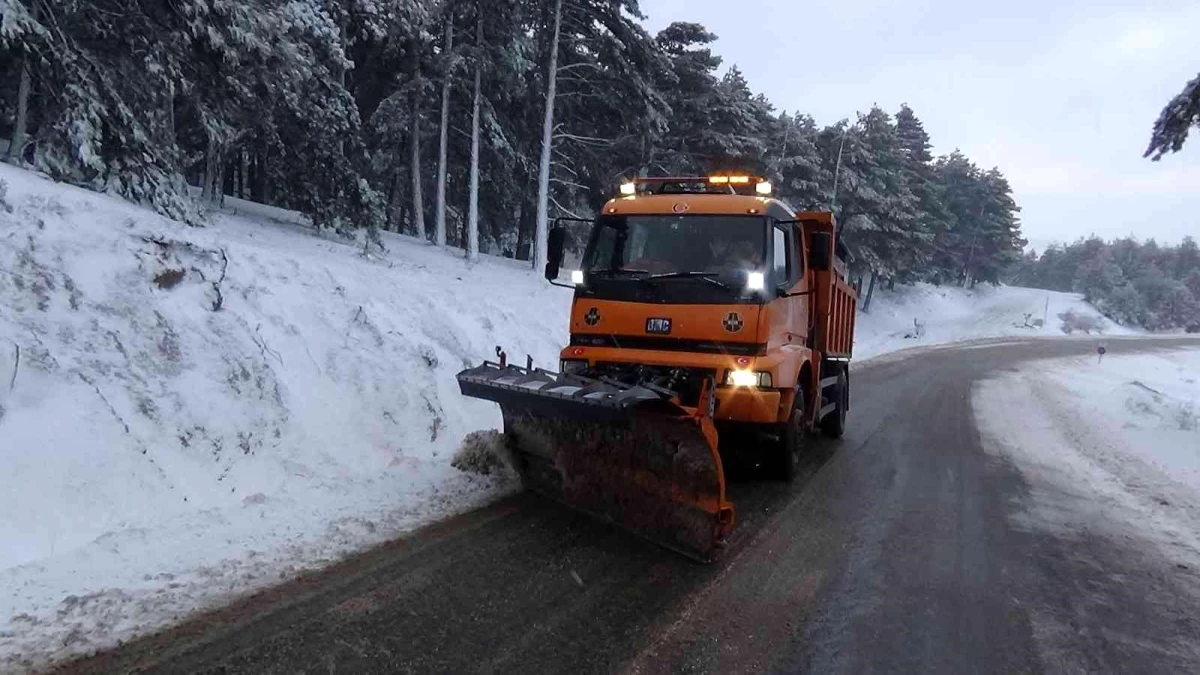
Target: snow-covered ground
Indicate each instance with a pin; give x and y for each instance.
(923, 315)
(1109, 445)
(158, 457)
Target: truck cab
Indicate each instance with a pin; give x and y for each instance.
(683, 280)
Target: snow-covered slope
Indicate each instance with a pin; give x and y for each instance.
(1110, 455)
(157, 456)
(1109, 446)
(913, 316)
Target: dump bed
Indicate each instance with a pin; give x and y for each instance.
(835, 327)
(834, 299)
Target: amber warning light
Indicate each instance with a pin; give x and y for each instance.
(737, 181)
(761, 186)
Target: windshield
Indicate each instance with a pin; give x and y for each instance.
(726, 246)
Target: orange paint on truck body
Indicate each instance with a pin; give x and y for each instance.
(790, 330)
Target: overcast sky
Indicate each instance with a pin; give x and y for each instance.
(1061, 95)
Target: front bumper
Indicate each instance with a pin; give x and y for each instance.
(734, 404)
(747, 404)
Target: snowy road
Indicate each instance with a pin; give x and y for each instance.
(919, 543)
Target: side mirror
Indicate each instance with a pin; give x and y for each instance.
(821, 254)
(554, 245)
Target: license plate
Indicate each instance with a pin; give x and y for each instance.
(658, 326)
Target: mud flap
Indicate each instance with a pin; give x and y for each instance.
(630, 455)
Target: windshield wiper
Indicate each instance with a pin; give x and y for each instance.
(710, 277)
(619, 273)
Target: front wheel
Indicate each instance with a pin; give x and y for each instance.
(792, 439)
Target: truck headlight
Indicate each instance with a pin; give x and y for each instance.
(572, 366)
(747, 378)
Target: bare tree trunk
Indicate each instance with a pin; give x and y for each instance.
(967, 268)
(261, 184)
(244, 172)
(866, 308)
(473, 190)
(439, 216)
(171, 137)
(219, 184)
(394, 211)
(524, 248)
(235, 183)
(414, 145)
(418, 199)
(543, 207)
(17, 142)
(208, 185)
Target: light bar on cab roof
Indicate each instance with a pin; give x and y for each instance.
(733, 179)
(628, 189)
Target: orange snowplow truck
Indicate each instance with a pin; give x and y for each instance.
(704, 309)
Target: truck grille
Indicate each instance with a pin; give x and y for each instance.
(668, 344)
(685, 382)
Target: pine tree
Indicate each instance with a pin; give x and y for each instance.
(1187, 258)
(1176, 120)
(876, 205)
(689, 86)
(933, 218)
(986, 236)
(797, 170)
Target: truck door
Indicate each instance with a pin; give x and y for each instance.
(788, 274)
(802, 303)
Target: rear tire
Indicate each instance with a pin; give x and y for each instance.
(834, 424)
(792, 439)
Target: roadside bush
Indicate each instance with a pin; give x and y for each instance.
(1186, 417)
(1074, 321)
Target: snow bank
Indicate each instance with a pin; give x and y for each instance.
(159, 456)
(923, 314)
(1108, 445)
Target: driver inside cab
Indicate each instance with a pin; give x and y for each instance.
(726, 257)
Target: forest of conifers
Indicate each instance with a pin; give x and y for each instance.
(431, 118)
(1133, 283)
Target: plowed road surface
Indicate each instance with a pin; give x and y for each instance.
(898, 551)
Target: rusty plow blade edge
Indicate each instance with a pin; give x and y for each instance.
(627, 455)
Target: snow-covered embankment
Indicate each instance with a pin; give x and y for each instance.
(1109, 517)
(1108, 445)
(925, 315)
(187, 414)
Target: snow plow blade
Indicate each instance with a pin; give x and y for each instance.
(629, 454)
